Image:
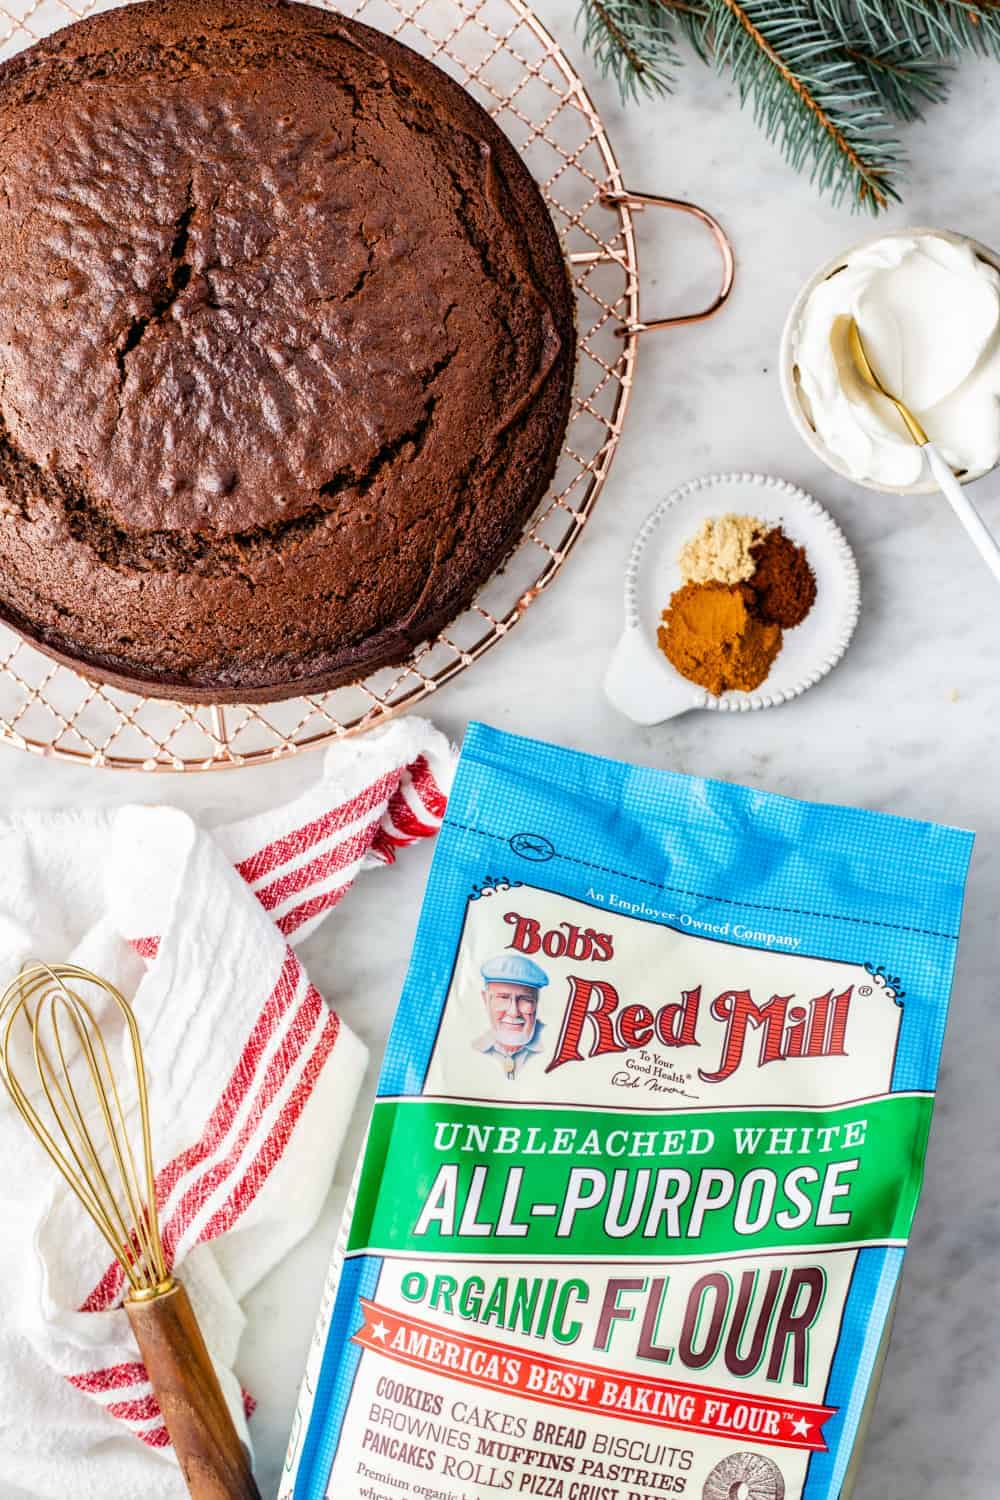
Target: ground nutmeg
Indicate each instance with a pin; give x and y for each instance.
(783, 582)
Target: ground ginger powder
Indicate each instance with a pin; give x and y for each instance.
(711, 636)
(721, 549)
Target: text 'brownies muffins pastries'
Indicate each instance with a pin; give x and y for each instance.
(286, 347)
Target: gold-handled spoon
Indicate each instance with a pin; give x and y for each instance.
(982, 538)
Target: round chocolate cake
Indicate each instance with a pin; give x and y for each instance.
(286, 348)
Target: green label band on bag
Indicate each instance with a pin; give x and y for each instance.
(479, 1180)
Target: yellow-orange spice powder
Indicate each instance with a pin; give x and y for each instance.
(713, 639)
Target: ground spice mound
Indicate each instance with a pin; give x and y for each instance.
(722, 549)
(711, 635)
(783, 582)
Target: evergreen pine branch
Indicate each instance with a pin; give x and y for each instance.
(695, 21)
(824, 78)
(634, 41)
(904, 83)
(903, 80)
(818, 105)
(935, 28)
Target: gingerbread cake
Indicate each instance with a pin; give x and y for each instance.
(286, 348)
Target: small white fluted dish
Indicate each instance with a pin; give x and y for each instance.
(641, 683)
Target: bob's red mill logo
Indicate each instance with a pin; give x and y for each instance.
(597, 1023)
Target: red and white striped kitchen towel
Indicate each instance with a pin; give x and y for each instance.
(252, 1083)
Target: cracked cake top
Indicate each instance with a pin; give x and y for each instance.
(286, 344)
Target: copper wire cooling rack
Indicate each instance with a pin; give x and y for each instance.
(504, 56)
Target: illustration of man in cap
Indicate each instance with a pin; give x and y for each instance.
(510, 993)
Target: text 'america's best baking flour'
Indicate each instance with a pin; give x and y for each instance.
(647, 1146)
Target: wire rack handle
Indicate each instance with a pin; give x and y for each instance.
(616, 199)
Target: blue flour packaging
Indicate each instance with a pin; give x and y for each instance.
(647, 1147)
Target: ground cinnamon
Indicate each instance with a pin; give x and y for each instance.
(783, 582)
(711, 635)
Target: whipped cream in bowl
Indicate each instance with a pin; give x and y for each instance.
(927, 303)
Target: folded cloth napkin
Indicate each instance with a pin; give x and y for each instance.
(251, 1077)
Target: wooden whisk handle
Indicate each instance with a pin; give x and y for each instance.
(213, 1461)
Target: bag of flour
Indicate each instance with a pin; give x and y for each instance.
(647, 1147)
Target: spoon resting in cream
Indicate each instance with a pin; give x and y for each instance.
(928, 307)
(963, 507)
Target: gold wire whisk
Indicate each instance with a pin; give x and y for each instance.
(63, 1028)
(88, 1134)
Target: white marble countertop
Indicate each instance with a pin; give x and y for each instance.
(908, 723)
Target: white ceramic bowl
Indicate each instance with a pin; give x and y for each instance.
(788, 371)
(642, 683)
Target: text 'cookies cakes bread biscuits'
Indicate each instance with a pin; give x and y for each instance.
(286, 348)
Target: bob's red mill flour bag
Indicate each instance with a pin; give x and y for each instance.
(647, 1146)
